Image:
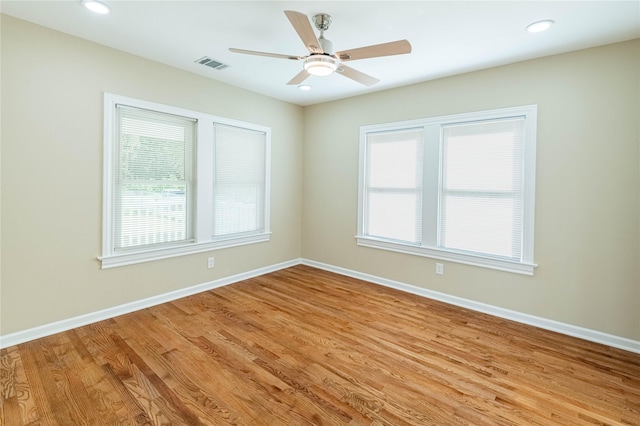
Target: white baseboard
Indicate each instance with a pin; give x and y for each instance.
(547, 324)
(568, 329)
(79, 321)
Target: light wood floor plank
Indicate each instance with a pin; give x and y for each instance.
(304, 346)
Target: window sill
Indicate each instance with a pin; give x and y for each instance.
(484, 262)
(131, 258)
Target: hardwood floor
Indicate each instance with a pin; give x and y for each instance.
(304, 346)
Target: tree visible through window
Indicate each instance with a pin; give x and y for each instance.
(154, 178)
(180, 181)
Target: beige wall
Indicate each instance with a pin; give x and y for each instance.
(587, 196)
(52, 94)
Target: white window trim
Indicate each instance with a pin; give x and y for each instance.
(203, 241)
(527, 266)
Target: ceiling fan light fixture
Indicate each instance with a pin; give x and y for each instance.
(96, 6)
(320, 65)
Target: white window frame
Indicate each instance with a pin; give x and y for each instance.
(204, 174)
(432, 150)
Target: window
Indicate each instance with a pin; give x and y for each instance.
(238, 181)
(179, 182)
(153, 185)
(394, 185)
(458, 188)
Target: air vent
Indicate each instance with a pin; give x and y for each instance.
(211, 63)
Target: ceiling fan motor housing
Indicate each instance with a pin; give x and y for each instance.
(327, 46)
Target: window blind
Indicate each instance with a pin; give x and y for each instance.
(482, 184)
(393, 185)
(238, 180)
(154, 171)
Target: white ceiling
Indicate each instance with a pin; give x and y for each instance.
(447, 37)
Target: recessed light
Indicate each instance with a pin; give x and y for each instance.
(304, 87)
(96, 6)
(539, 26)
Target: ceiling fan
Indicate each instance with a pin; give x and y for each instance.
(321, 60)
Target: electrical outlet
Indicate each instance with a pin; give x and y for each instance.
(439, 269)
(210, 263)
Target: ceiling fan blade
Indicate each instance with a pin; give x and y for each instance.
(271, 55)
(398, 47)
(303, 27)
(299, 78)
(356, 75)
